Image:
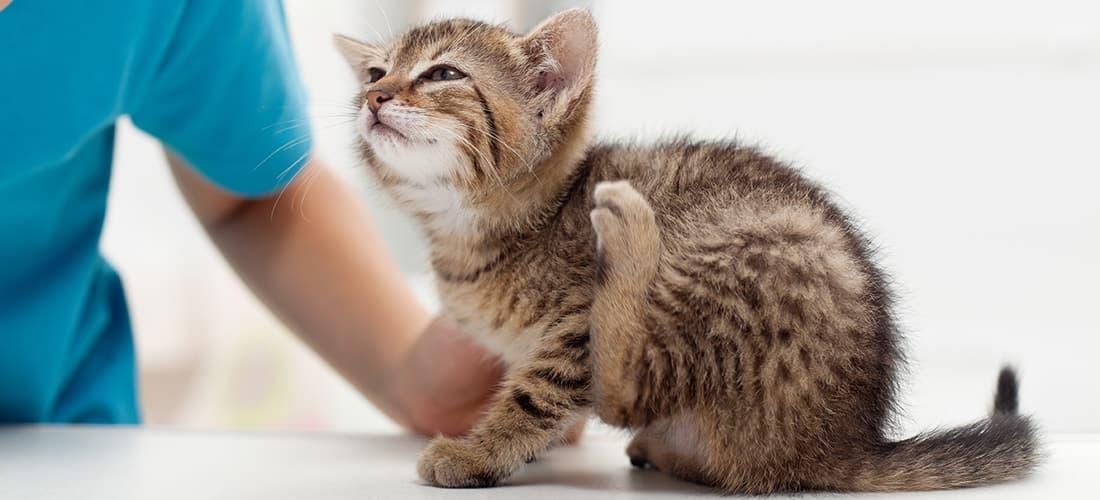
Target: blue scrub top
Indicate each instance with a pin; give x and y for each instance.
(214, 80)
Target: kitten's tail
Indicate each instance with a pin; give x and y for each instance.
(1001, 448)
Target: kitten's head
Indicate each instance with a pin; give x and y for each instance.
(471, 104)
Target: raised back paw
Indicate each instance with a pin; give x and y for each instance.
(626, 231)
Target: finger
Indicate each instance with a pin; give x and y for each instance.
(574, 434)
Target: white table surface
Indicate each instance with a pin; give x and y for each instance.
(124, 463)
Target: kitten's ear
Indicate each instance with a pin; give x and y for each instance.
(563, 49)
(357, 54)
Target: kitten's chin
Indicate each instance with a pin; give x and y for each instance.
(423, 163)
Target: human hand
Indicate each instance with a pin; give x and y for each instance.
(575, 433)
(445, 381)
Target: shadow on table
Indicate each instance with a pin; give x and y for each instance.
(618, 480)
(566, 468)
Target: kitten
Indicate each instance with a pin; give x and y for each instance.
(701, 294)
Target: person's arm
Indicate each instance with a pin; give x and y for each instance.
(312, 255)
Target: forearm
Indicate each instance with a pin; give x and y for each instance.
(314, 259)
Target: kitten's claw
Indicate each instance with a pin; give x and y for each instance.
(453, 463)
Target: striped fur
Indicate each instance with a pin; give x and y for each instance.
(702, 294)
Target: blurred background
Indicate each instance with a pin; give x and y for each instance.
(963, 133)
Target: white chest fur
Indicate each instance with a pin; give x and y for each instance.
(510, 341)
(447, 212)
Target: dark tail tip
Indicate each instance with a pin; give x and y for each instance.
(1006, 400)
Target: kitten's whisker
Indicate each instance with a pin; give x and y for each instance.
(315, 103)
(289, 184)
(312, 116)
(295, 142)
(490, 166)
(345, 121)
(289, 144)
(384, 17)
(502, 142)
(288, 128)
(300, 159)
(335, 124)
(466, 142)
(284, 122)
(310, 179)
(469, 145)
(378, 38)
(345, 114)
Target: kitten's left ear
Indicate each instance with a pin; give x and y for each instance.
(563, 49)
(357, 54)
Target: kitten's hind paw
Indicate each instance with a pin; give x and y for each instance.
(626, 231)
(619, 206)
(636, 452)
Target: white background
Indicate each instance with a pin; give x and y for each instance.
(963, 134)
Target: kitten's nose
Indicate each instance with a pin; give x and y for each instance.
(375, 98)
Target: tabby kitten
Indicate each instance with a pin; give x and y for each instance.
(701, 294)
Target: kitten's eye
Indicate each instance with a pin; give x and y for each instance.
(375, 74)
(443, 73)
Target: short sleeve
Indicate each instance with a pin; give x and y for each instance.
(226, 96)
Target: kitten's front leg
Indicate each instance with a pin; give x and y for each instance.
(540, 399)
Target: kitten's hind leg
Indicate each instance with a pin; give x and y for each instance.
(671, 445)
(628, 246)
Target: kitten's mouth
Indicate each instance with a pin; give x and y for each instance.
(381, 130)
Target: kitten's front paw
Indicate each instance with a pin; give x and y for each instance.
(455, 463)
